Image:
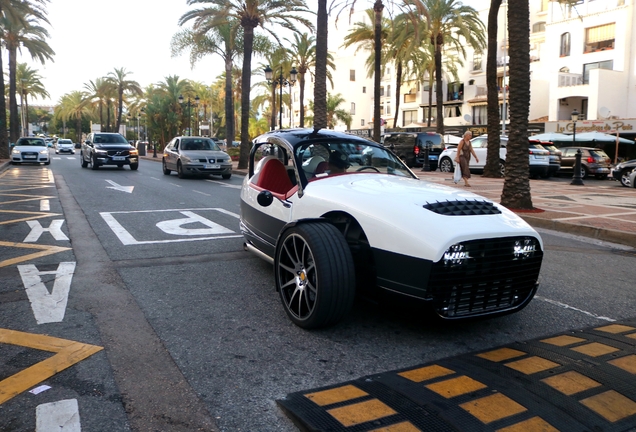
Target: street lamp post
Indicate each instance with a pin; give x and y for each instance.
(281, 81)
(189, 104)
(576, 178)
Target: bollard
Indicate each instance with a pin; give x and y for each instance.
(426, 166)
(576, 178)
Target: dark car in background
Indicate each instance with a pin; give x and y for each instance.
(411, 147)
(622, 171)
(106, 148)
(594, 161)
(555, 158)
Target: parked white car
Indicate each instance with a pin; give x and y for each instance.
(539, 157)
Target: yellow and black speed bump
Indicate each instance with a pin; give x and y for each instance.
(583, 380)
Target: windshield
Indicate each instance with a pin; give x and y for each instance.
(109, 139)
(64, 141)
(31, 142)
(199, 144)
(323, 158)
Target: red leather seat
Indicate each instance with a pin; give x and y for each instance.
(274, 178)
(322, 167)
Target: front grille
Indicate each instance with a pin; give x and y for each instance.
(462, 208)
(118, 152)
(485, 276)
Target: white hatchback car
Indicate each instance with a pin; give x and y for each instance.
(30, 150)
(64, 146)
(539, 157)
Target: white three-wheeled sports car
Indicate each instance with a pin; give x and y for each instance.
(336, 213)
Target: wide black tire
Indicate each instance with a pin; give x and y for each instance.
(82, 161)
(134, 166)
(180, 172)
(166, 171)
(94, 164)
(584, 172)
(315, 275)
(446, 165)
(47, 163)
(226, 176)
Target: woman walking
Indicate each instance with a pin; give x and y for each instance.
(464, 150)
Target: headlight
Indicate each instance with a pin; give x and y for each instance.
(101, 152)
(44, 151)
(456, 255)
(134, 152)
(15, 151)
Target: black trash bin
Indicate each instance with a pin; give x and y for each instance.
(141, 148)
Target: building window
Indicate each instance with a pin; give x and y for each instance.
(432, 113)
(409, 117)
(455, 91)
(353, 108)
(388, 91)
(480, 115)
(364, 89)
(476, 61)
(452, 111)
(352, 75)
(565, 45)
(381, 91)
(410, 97)
(609, 64)
(388, 108)
(538, 27)
(361, 122)
(599, 38)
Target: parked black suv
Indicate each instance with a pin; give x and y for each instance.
(105, 148)
(410, 147)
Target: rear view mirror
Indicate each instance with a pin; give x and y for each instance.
(265, 198)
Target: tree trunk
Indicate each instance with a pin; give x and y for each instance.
(377, 75)
(430, 100)
(120, 106)
(301, 83)
(230, 125)
(273, 116)
(439, 95)
(516, 190)
(4, 138)
(491, 168)
(320, 87)
(246, 78)
(78, 128)
(108, 116)
(26, 116)
(14, 124)
(398, 87)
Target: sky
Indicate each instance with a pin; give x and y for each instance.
(91, 38)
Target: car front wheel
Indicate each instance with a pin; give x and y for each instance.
(180, 172)
(315, 275)
(134, 166)
(94, 164)
(166, 171)
(226, 176)
(83, 161)
(625, 181)
(446, 165)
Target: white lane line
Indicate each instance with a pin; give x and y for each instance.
(45, 205)
(70, 157)
(226, 184)
(176, 185)
(58, 416)
(565, 306)
(199, 192)
(154, 178)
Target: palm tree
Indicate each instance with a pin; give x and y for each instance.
(16, 11)
(118, 79)
(250, 14)
(169, 91)
(334, 114)
(29, 83)
(97, 95)
(278, 59)
(320, 86)
(18, 34)
(457, 25)
(73, 106)
(516, 190)
(491, 169)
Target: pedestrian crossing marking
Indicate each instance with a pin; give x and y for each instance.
(492, 408)
(456, 386)
(615, 328)
(532, 365)
(44, 251)
(595, 349)
(627, 363)
(67, 353)
(570, 383)
(501, 354)
(362, 412)
(611, 405)
(336, 395)
(535, 424)
(563, 340)
(426, 373)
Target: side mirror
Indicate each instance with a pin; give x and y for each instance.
(265, 198)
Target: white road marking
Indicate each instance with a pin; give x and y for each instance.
(565, 306)
(55, 229)
(154, 178)
(175, 226)
(127, 239)
(47, 307)
(174, 184)
(115, 186)
(229, 185)
(60, 416)
(70, 157)
(45, 205)
(199, 192)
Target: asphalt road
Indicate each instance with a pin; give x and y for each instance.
(193, 332)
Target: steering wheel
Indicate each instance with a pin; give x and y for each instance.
(362, 168)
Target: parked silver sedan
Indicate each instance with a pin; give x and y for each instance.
(200, 156)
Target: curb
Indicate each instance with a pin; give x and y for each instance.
(614, 236)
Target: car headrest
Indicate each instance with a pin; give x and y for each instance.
(310, 165)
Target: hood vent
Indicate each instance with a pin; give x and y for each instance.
(463, 208)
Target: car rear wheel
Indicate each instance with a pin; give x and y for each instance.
(625, 181)
(446, 165)
(315, 275)
(166, 171)
(583, 172)
(134, 166)
(83, 161)
(180, 173)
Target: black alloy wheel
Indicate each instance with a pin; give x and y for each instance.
(315, 275)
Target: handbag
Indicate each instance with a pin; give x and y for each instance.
(457, 175)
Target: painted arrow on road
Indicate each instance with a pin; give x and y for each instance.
(115, 186)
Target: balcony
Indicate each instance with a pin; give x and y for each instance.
(570, 79)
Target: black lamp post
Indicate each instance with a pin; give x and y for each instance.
(576, 178)
(280, 81)
(196, 101)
